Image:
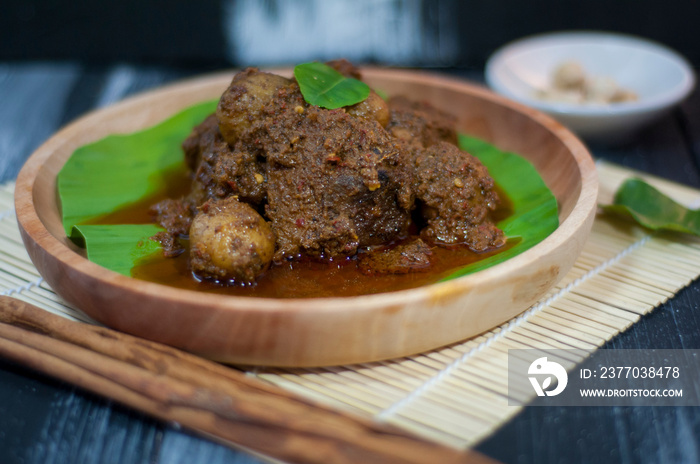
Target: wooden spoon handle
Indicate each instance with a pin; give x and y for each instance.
(204, 396)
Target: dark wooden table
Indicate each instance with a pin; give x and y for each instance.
(45, 421)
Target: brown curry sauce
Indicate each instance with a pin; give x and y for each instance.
(306, 278)
(354, 198)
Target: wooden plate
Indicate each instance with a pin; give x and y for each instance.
(327, 331)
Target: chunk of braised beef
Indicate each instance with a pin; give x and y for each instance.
(411, 256)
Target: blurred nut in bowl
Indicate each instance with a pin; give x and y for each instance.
(569, 75)
(571, 84)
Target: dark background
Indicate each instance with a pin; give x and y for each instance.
(189, 33)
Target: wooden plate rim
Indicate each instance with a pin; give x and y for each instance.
(34, 230)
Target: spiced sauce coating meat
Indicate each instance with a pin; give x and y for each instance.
(331, 179)
(420, 125)
(412, 256)
(416, 126)
(345, 67)
(297, 180)
(373, 107)
(457, 195)
(175, 215)
(241, 103)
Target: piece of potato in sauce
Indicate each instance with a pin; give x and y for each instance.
(242, 102)
(230, 242)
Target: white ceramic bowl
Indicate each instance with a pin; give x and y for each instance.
(660, 77)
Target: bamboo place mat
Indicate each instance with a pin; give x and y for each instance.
(458, 395)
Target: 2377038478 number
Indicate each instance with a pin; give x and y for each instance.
(644, 372)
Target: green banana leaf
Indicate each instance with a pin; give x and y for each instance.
(115, 172)
(535, 213)
(120, 170)
(118, 247)
(652, 209)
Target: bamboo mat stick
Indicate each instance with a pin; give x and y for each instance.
(205, 396)
(456, 395)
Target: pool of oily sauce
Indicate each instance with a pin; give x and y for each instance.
(294, 279)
